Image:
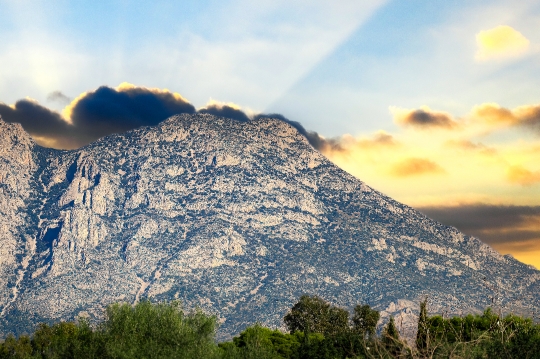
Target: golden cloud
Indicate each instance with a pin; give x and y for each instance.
(415, 166)
(521, 175)
(423, 118)
(482, 119)
(501, 42)
(493, 115)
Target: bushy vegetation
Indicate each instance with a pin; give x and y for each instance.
(145, 330)
(317, 329)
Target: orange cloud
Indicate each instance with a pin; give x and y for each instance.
(494, 114)
(423, 118)
(501, 42)
(483, 118)
(522, 176)
(415, 166)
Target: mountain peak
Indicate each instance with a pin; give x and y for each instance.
(238, 218)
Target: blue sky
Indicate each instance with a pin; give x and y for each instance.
(309, 60)
(435, 103)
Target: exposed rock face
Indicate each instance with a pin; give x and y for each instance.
(237, 218)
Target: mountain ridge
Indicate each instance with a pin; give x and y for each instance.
(229, 216)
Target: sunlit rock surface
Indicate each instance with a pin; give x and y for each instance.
(239, 219)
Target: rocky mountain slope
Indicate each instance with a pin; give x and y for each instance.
(237, 218)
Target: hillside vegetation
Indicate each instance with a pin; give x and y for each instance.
(317, 329)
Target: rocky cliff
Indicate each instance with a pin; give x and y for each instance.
(237, 218)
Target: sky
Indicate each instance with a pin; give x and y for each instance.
(434, 103)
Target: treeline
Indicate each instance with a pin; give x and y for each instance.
(316, 330)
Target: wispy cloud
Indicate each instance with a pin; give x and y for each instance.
(523, 176)
(58, 96)
(415, 167)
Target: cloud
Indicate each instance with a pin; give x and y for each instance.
(503, 226)
(483, 118)
(95, 114)
(57, 96)
(228, 110)
(107, 110)
(494, 116)
(414, 167)
(501, 42)
(40, 122)
(528, 116)
(423, 118)
(468, 145)
(521, 175)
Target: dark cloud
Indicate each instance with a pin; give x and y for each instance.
(531, 118)
(225, 111)
(96, 114)
(57, 96)
(425, 119)
(38, 121)
(107, 110)
(499, 225)
(416, 166)
(317, 141)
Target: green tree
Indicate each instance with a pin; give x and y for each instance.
(422, 334)
(312, 314)
(16, 348)
(158, 331)
(365, 320)
(390, 338)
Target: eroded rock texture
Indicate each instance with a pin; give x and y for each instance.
(237, 218)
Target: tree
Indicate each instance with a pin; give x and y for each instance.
(312, 314)
(19, 348)
(365, 320)
(390, 338)
(158, 331)
(422, 335)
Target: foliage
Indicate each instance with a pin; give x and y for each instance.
(318, 331)
(158, 331)
(260, 342)
(365, 320)
(143, 331)
(390, 339)
(312, 314)
(422, 334)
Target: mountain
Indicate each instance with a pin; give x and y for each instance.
(238, 218)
